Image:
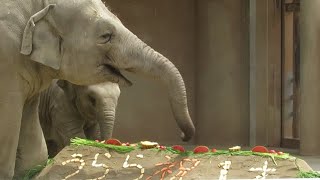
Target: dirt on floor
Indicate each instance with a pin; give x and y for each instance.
(96, 163)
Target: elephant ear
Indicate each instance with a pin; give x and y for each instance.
(40, 41)
(62, 83)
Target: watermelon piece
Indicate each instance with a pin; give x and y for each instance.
(113, 142)
(272, 151)
(260, 149)
(200, 149)
(178, 148)
(280, 153)
(163, 147)
(214, 150)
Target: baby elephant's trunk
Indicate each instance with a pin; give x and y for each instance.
(106, 118)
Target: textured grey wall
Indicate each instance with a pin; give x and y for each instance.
(222, 81)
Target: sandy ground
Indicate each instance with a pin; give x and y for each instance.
(207, 167)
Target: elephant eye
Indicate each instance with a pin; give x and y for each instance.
(106, 38)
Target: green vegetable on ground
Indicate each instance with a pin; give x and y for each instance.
(310, 174)
(37, 169)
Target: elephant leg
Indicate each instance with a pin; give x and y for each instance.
(32, 149)
(93, 132)
(69, 129)
(52, 148)
(63, 139)
(11, 113)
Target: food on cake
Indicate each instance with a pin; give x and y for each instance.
(113, 142)
(178, 148)
(260, 149)
(148, 144)
(235, 148)
(200, 149)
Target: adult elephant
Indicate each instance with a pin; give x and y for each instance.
(68, 110)
(80, 41)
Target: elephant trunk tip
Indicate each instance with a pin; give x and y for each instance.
(188, 133)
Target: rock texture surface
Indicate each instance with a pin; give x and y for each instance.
(96, 163)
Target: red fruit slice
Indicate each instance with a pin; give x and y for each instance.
(261, 149)
(272, 151)
(162, 147)
(201, 149)
(178, 148)
(280, 153)
(113, 142)
(214, 150)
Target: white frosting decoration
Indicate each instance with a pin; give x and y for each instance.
(264, 171)
(224, 171)
(76, 158)
(94, 164)
(127, 165)
(140, 156)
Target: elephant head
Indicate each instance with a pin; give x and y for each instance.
(94, 103)
(86, 44)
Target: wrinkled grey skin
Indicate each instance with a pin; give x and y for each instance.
(76, 40)
(67, 111)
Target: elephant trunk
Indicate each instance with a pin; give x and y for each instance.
(106, 118)
(159, 67)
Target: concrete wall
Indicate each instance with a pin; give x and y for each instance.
(208, 41)
(222, 100)
(310, 74)
(169, 27)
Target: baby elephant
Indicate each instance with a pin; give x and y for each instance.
(67, 110)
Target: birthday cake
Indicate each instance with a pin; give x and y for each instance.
(86, 159)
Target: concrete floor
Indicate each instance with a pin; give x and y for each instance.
(313, 161)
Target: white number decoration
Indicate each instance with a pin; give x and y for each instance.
(127, 165)
(264, 171)
(76, 158)
(94, 164)
(225, 169)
